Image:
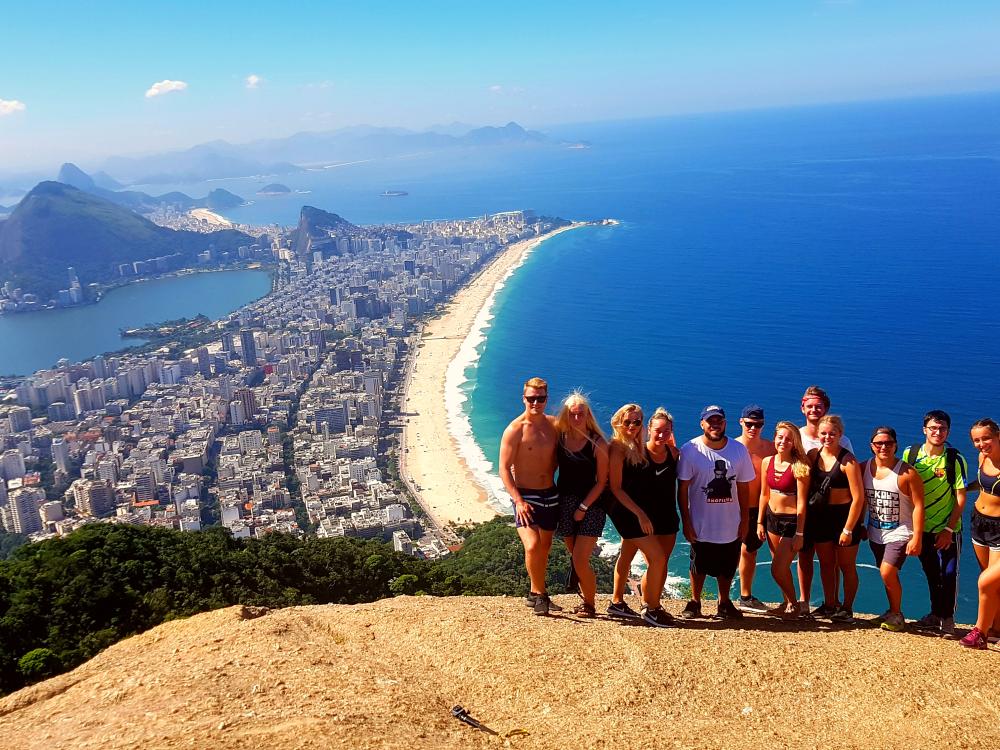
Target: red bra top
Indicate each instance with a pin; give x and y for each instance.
(783, 483)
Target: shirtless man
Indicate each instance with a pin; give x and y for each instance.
(752, 423)
(527, 468)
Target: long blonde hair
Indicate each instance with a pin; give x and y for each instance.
(634, 448)
(800, 467)
(591, 428)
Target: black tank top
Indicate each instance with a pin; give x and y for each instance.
(838, 479)
(634, 481)
(661, 481)
(577, 470)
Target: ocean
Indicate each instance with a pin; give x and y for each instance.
(757, 253)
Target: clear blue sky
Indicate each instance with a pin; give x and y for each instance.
(73, 79)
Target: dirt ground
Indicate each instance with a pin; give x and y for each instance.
(387, 675)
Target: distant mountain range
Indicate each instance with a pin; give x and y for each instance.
(57, 225)
(217, 200)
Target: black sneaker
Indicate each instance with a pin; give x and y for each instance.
(621, 609)
(658, 618)
(843, 615)
(728, 611)
(542, 604)
(691, 610)
(824, 610)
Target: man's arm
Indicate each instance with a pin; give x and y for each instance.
(509, 444)
(743, 494)
(915, 487)
(946, 536)
(682, 502)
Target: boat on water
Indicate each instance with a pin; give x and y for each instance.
(394, 193)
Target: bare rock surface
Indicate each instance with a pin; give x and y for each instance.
(387, 675)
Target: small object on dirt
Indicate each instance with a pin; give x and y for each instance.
(252, 613)
(463, 716)
(517, 733)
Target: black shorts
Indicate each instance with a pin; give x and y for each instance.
(825, 523)
(544, 508)
(752, 541)
(985, 530)
(592, 523)
(716, 560)
(781, 524)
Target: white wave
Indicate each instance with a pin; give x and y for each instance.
(456, 397)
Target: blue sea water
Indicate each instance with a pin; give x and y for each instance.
(852, 246)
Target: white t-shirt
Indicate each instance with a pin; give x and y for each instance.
(809, 443)
(712, 496)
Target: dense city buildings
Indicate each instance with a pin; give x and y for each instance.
(285, 420)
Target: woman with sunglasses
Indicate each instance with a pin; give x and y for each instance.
(582, 453)
(985, 528)
(895, 495)
(834, 519)
(629, 469)
(783, 492)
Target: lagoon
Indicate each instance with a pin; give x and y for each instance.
(35, 340)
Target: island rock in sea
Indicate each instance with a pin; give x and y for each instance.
(388, 674)
(274, 188)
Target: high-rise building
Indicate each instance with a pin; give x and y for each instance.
(93, 497)
(250, 408)
(19, 419)
(24, 504)
(12, 465)
(204, 361)
(248, 347)
(60, 454)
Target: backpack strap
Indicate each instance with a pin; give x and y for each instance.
(911, 453)
(950, 466)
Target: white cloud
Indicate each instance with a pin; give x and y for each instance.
(496, 88)
(165, 87)
(254, 81)
(10, 106)
(318, 85)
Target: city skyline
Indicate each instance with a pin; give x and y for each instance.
(130, 81)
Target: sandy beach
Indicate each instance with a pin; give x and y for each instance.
(431, 461)
(203, 214)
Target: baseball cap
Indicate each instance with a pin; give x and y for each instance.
(753, 411)
(713, 410)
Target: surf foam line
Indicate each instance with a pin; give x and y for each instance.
(461, 373)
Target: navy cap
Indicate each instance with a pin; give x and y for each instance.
(713, 411)
(753, 411)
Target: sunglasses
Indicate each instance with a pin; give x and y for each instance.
(632, 422)
(753, 425)
(882, 444)
(536, 399)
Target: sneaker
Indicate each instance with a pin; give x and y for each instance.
(728, 611)
(542, 604)
(930, 621)
(948, 627)
(975, 639)
(621, 609)
(658, 618)
(691, 610)
(894, 621)
(843, 615)
(585, 610)
(532, 598)
(751, 604)
(824, 610)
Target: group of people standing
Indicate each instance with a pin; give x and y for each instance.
(804, 493)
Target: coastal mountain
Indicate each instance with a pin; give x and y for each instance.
(388, 674)
(56, 226)
(217, 199)
(207, 161)
(313, 231)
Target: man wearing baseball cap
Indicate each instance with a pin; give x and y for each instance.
(715, 474)
(752, 422)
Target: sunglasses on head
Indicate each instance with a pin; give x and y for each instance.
(536, 399)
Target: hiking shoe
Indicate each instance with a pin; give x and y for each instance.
(930, 621)
(532, 598)
(621, 609)
(585, 610)
(894, 621)
(824, 610)
(658, 618)
(975, 639)
(542, 604)
(751, 604)
(728, 611)
(948, 627)
(691, 610)
(843, 615)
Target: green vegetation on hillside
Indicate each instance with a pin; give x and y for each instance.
(64, 600)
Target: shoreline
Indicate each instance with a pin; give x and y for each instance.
(439, 458)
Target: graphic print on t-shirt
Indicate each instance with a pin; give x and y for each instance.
(720, 489)
(883, 508)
